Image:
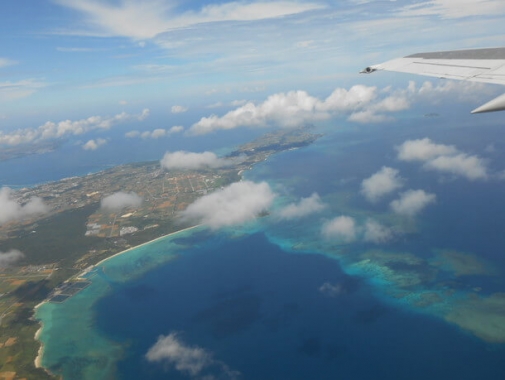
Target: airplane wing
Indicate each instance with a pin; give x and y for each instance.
(475, 65)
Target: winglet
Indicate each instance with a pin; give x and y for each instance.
(497, 104)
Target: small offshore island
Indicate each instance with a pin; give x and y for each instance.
(77, 234)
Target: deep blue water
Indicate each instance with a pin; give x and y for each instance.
(259, 311)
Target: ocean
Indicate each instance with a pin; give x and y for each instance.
(276, 300)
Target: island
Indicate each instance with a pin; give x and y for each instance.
(77, 233)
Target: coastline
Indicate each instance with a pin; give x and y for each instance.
(140, 245)
(40, 353)
(38, 359)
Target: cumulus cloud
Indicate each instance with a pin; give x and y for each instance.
(179, 109)
(11, 209)
(237, 203)
(362, 104)
(471, 167)
(305, 207)
(51, 130)
(156, 133)
(443, 158)
(184, 358)
(10, 257)
(381, 183)
(412, 202)
(176, 129)
(332, 290)
(94, 144)
(192, 361)
(341, 227)
(423, 150)
(288, 110)
(132, 134)
(376, 232)
(120, 200)
(182, 160)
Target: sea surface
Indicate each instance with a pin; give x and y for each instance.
(275, 300)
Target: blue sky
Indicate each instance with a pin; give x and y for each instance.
(79, 60)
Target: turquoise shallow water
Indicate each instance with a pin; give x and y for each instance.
(275, 300)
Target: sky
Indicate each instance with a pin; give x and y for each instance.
(69, 67)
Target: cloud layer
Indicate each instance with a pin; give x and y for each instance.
(120, 200)
(443, 158)
(11, 209)
(381, 183)
(238, 203)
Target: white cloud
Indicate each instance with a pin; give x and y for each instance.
(146, 19)
(132, 134)
(11, 209)
(306, 206)
(51, 130)
(443, 158)
(194, 161)
(156, 133)
(176, 129)
(332, 290)
(4, 62)
(10, 257)
(179, 109)
(237, 203)
(20, 89)
(423, 150)
(471, 167)
(376, 232)
(341, 227)
(120, 200)
(412, 202)
(144, 114)
(195, 362)
(449, 9)
(94, 144)
(170, 349)
(381, 183)
(290, 109)
(362, 104)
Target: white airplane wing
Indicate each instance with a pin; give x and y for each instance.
(476, 65)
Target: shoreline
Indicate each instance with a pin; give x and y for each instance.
(38, 358)
(140, 245)
(40, 353)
